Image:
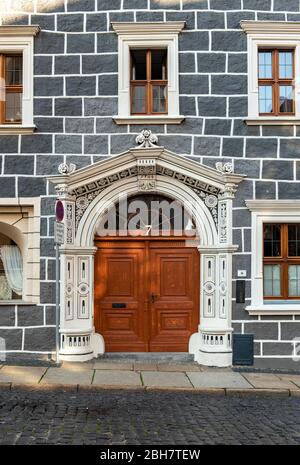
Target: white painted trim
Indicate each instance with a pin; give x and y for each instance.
(20, 31)
(147, 35)
(16, 129)
(267, 211)
(270, 27)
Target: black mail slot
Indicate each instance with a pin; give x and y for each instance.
(240, 291)
(119, 305)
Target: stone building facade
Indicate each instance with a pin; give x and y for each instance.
(79, 118)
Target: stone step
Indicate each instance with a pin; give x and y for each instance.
(144, 357)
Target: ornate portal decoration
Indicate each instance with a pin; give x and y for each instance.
(146, 169)
(223, 222)
(225, 168)
(64, 168)
(146, 139)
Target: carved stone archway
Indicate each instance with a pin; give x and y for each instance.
(206, 192)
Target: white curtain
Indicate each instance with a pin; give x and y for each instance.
(13, 267)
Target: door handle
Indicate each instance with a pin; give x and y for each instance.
(152, 297)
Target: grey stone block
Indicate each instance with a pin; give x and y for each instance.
(48, 293)
(237, 239)
(96, 144)
(193, 84)
(30, 315)
(249, 167)
(46, 165)
(277, 348)
(46, 22)
(188, 126)
(107, 125)
(70, 22)
(187, 63)
(210, 20)
(49, 43)
(42, 65)
(42, 106)
(50, 315)
(155, 5)
(48, 205)
(240, 128)
(111, 5)
(257, 5)
(31, 186)
(194, 4)
(36, 143)
(187, 16)
(177, 144)
(123, 16)
(193, 41)
(49, 124)
(151, 16)
(94, 64)
(41, 339)
(108, 84)
(7, 187)
(293, 17)
(19, 164)
(232, 147)
(211, 62)
(229, 84)
(247, 240)
(80, 85)
(261, 148)
(8, 144)
(238, 310)
(135, 4)
(287, 5)
(100, 106)
(265, 190)
(241, 218)
(288, 191)
(44, 6)
(12, 337)
(297, 170)
(107, 42)
(262, 331)
(7, 315)
(79, 125)
(217, 127)
(238, 106)
(187, 106)
(289, 148)
(229, 41)
(290, 330)
(96, 22)
(120, 143)
(68, 144)
(80, 43)
(51, 269)
(213, 160)
(81, 5)
(237, 63)
(42, 269)
(225, 4)
(212, 106)
(68, 107)
(207, 146)
(278, 131)
(270, 16)
(48, 86)
(278, 169)
(245, 192)
(67, 64)
(79, 160)
(235, 17)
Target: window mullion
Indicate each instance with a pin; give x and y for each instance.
(3, 88)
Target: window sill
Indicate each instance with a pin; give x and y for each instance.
(274, 309)
(273, 121)
(160, 119)
(16, 129)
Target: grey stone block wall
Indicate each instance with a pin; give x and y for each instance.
(75, 82)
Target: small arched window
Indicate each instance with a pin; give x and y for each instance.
(11, 270)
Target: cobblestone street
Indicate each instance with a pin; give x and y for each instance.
(121, 418)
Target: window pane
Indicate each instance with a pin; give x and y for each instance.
(286, 94)
(265, 65)
(159, 65)
(159, 94)
(138, 99)
(139, 67)
(265, 99)
(13, 107)
(272, 281)
(294, 280)
(294, 240)
(13, 67)
(286, 65)
(272, 240)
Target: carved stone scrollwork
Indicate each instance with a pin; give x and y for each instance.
(64, 168)
(225, 168)
(146, 169)
(146, 139)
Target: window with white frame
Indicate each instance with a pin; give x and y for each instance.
(11, 270)
(16, 78)
(273, 68)
(275, 257)
(148, 72)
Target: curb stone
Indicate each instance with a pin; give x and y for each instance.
(99, 387)
(257, 392)
(45, 387)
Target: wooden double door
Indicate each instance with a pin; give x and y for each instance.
(146, 294)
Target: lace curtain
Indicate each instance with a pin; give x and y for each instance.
(13, 267)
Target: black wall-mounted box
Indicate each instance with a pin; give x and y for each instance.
(240, 291)
(243, 349)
